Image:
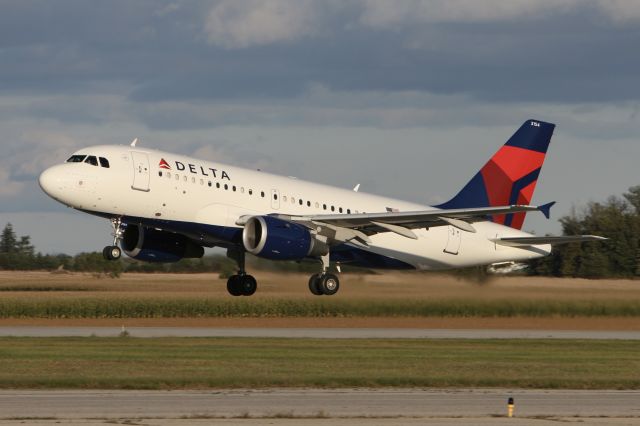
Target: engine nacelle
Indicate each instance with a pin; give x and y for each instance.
(152, 245)
(277, 239)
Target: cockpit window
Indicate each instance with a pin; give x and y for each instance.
(92, 160)
(104, 162)
(76, 159)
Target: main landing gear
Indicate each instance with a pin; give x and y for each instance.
(243, 284)
(114, 252)
(324, 283)
(240, 284)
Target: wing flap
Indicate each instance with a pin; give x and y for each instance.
(416, 219)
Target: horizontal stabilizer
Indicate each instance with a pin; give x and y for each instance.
(546, 209)
(534, 241)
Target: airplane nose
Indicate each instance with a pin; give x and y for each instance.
(51, 183)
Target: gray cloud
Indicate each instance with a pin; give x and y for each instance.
(503, 51)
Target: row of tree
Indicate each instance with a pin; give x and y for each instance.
(617, 219)
(17, 253)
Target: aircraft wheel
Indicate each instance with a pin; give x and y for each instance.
(329, 284)
(248, 285)
(111, 253)
(233, 285)
(314, 282)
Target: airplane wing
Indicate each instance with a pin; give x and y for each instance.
(534, 241)
(348, 227)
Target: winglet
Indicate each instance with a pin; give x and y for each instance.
(546, 209)
(134, 142)
(356, 188)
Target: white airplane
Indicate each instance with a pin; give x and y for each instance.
(165, 207)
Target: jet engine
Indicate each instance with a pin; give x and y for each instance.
(277, 239)
(152, 245)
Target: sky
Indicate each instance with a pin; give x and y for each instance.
(409, 98)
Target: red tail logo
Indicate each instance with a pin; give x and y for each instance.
(164, 165)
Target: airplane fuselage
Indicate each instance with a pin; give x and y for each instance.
(204, 200)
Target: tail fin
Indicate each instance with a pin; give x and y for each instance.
(510, 176)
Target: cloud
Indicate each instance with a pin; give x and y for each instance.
(236, 24)
(387, 14)
(9, 187)
(384, 14)
(621, 11)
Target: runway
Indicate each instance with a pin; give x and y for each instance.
(315, 333)
(361, 406)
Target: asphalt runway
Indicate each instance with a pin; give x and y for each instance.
(315, 333)
(351, 406)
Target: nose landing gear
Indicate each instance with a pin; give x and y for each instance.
(240, 284)
(114, 252)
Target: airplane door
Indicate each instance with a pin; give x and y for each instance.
(454, 239)
(141, 173)
(275, 199)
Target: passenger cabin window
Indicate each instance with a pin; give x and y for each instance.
(76, 159)
(105, 163)
(91, 160)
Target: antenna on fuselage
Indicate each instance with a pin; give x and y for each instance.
(134, 142)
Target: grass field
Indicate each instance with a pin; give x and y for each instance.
(81, 296)
(169, 363)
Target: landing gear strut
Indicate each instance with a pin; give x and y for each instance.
(114, 252)
(240, 284)
(324, 283)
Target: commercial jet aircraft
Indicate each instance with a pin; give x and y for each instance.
(165, 207)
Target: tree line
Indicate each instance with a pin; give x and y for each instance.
(618, 219)
(18, 254)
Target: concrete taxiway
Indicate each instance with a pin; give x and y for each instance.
(312, 406)
(315, 333)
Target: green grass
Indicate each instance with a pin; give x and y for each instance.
(323, 307)
(196, 363)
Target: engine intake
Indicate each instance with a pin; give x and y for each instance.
(152, 245)
(278, 239)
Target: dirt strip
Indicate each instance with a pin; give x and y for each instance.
(516, 323)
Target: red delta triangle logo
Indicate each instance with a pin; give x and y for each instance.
(164, 165)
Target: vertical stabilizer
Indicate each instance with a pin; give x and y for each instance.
(510, 176)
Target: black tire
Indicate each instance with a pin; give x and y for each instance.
(314, 288)
(247, 284)
(329, 284)
(106, 253)
(111, 253)
(233, 286)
